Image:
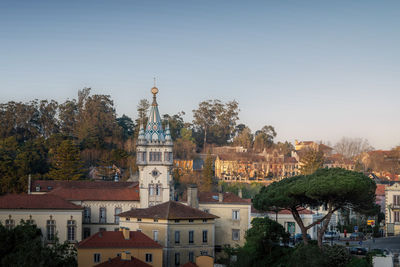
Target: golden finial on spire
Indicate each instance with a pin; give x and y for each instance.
(154, 90)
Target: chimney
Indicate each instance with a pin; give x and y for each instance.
(221, 197)
(192, 198)
(29, 184)
(125, 256)
(125, 232)
(240, 193)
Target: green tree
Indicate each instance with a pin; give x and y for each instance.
(208, 173)
(23, 246)
(215, 121)
(244, 138)
(176, 124)
(334, 188)
(127, 126)
(264, 138)
(310, 161)
(66, 163)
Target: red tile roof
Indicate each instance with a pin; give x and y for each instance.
(25, 201)
(117, 262)
(170, 210)
(380, 190)
(103, 192)
(213, 197)
(113, 239)
(190, 264)
(48, 185)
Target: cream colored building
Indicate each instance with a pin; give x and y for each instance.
(234, 215)
(392, 209)
(184, 232)
(106, 245)
(101, 200)
(54, 216)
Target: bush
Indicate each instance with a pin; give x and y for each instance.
(358, 262)
(312, 256)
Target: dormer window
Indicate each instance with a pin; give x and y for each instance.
(38, 188)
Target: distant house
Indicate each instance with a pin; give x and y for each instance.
(113, 246)
(392, 209)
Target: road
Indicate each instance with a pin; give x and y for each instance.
(390, 243)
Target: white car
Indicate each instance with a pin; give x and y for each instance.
(332, 235)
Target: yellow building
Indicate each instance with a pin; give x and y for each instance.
(106, 245)
(184, 232)
(233, 211)
(392, 214)
(54, 216)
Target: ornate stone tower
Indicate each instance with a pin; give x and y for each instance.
(154, 159)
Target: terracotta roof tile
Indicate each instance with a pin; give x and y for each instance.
(115, 239)
(48, 185)
(25, 201)
(118, 262)
(111, 193)
(170, 210)
(380, 190)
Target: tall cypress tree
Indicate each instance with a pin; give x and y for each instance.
(66, 162)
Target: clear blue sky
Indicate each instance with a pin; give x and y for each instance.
(315, 70)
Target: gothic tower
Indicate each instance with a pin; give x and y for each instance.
(154, 159)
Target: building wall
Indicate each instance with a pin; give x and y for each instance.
(392, 208)
(86, 256)
(94, 225)
(166, 237)
(40, 218)
(225, 224)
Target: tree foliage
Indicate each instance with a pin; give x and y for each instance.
(334, 188)
(215, 121)
(66, 163)
(23, 246)
(310, 161)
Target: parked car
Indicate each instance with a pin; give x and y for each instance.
(358, 251)
(299, 238)
(332, 235)
(357, 236)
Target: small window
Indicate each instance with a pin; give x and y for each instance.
(205, 236)
(102, 229)
(235, 215)
(191, 237)
(177, 259)
(204, 220)
(10, 224)
(191, 256)
(149, 257)
(177, 237)
(49, 188)
(139, 219)
(190, 220)
(139, 230)
(96, 257)
(206, 211)
(51, 229)
(235, 234)
(102, 215)
(155, 220)
(71, 229)
(86, 232)
(117, 211)
(176, 221)
(155, 235)
(38, 188)
(128, 219)
(86, 215)
(30, 221)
